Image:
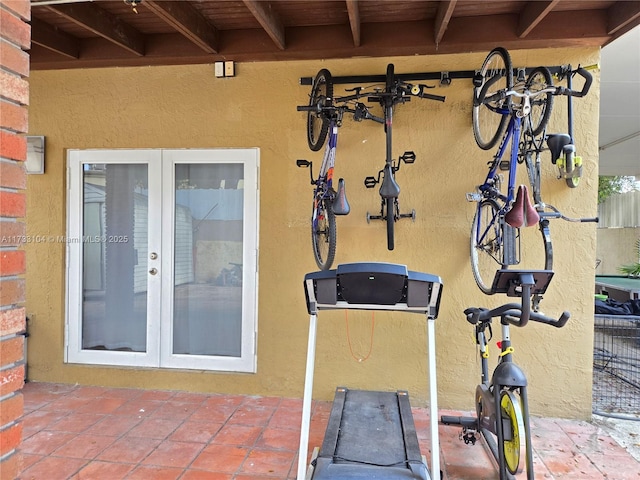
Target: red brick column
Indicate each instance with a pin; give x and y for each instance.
(15, 38)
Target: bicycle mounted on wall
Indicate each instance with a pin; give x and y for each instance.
(396, 92)
(324, 116)
(516, 113)
(320, 110)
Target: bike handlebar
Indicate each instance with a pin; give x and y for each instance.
(515, 314)
(557, 90)
(588, 79)
(555, 213)
(404, 93)
(360, 112)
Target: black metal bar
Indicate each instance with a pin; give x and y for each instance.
(459, 74)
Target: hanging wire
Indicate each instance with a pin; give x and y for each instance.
(365, 358)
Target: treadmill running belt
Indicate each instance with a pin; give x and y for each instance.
(370, 435)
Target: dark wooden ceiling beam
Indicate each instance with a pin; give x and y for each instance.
(354, 20)
(620, 14)
(263, 12)
(188, 21)
(53, 39)
(464, 34)
(532, 14)
(443, 15)
(102, 23)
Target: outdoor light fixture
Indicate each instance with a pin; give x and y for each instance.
(35, 155)
(133, 3)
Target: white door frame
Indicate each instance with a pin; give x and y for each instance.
(161, 175)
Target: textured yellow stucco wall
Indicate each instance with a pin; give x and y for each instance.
(181, 107)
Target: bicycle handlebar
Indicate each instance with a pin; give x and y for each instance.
(515, 314)
(588, 79)
(404, 93)
(555, 213)
(557, 90)
(360, 112)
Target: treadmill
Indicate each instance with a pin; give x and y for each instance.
(370, 434)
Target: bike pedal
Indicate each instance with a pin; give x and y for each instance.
(408, 157)
(303, 163)
(468, 438)
(504, 165)
(370, 182)
(474, 197)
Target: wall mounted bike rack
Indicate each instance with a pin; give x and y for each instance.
(444, 77)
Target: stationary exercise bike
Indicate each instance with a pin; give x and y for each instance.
(502, 411)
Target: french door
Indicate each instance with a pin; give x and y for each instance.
(162, 258)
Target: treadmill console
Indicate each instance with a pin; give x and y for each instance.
(373, 286)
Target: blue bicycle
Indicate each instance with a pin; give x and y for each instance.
(517, 113)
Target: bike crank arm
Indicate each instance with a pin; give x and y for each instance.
(411, 215)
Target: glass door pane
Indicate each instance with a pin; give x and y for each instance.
(114, 247)
(114, 286)
(208, 253)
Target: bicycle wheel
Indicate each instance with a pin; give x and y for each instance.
(541, 106)
(490, 119)
(390, 222)
(572, 162)
(535, 249)
(487, 245)
(514, 441)
(317, 122)
(323, 235)
(390, 79)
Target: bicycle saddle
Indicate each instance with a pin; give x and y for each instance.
(522, 213)
(340, 204)
(557, 143)
(389, 187)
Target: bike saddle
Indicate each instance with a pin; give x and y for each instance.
(389, 187)
(557, 143)
(340, 204)
(522, 213)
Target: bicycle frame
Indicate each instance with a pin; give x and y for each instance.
(488, 190)
(324, 183)
(395, 92)
(507, 376)
(502, 411)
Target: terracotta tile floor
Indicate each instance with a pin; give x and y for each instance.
(79, 432)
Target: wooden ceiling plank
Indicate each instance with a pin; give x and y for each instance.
(102, 23)
(263, 11)
(532, 14)
(443, 15)
(188, 21)
(53, 39)
(354, 20)
(464, 34)
(621, 14)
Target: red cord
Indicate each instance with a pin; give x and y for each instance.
(373, 321)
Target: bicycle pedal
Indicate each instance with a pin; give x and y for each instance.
(504, 165)
(303, 163)
(474, 197)
(370, 182)
(408, 157)
(468, 437)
